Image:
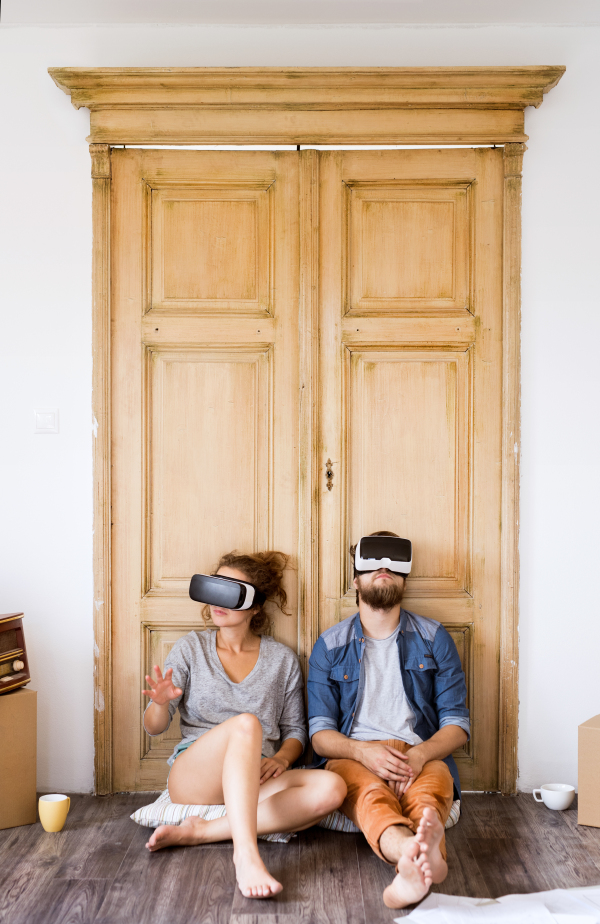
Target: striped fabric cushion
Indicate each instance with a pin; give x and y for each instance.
(165, 812)
(337, 821)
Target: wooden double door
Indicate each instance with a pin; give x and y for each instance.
(305, 347)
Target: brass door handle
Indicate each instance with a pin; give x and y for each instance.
(329, 474)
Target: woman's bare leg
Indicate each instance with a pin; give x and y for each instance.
(295, 800)
(224, 766)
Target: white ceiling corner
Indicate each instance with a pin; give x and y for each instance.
(299, 12)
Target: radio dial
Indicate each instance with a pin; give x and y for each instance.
(18, 665)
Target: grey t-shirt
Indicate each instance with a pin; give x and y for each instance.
(383, 710)
(272, 691)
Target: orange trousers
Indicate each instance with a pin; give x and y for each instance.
(373, 807)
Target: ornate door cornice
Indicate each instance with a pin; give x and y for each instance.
(399, 105)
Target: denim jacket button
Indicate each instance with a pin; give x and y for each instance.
(346, 675)
(420, 665)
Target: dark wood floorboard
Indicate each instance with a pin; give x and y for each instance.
(464, 875)
(205, 886)
(375, 875)
(330, 890)
(143, 889)
(70, 901)
(97, 870)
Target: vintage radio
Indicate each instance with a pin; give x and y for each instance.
(14, 666)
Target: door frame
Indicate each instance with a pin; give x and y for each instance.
(355, 106)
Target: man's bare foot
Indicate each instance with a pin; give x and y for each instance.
(413, 879)
(429, 837)
(188, 833)
(253, 877)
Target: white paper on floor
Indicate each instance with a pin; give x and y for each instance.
(559, 906)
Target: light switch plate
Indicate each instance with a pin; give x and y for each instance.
(46, 420)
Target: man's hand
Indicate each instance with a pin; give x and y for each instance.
(272, 767)
(386, 762)
(416, 762)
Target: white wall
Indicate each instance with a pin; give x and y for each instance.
(45, 344)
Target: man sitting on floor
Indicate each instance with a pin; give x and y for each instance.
(386, 702)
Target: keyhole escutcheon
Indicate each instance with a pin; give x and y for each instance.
(329, 474)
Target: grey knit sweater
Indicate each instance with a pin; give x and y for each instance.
(272, 691)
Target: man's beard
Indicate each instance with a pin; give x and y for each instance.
(383, 596)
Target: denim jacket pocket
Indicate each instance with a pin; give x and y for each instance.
(345, 673)
(420, 664)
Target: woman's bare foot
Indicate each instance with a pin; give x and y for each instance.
(413, 879)
(189, 832)
(429, 837)
(253, 877)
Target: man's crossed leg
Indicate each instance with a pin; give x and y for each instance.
(408, 830)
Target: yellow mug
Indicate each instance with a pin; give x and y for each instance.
(53, 811)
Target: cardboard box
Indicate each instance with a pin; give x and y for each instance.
(589, 773)
(18, 752)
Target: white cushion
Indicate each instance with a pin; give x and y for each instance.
(165, 812)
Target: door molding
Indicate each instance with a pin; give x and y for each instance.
(395, 105)
(474, 105)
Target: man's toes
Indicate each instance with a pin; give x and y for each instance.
(412, 849)
(427, 874)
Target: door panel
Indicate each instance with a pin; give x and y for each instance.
(205, 407)
(407, 248)
(410, 382)
(211, 249)
(206, 450)
(209, 415)
(412, 405)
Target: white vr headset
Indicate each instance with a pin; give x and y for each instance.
(225, 591)
(375, 552)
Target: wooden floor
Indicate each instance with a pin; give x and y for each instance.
(97, 869)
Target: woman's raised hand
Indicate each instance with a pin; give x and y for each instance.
(162, 690)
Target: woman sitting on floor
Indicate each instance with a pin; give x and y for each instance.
(241, 705)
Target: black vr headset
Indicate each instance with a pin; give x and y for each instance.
(375, 552)
(225, 591)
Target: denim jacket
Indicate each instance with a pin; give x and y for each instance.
(433, 679)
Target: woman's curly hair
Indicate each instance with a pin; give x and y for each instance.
(265, 571)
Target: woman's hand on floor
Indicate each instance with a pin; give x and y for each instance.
(272, 767)
(162, 690)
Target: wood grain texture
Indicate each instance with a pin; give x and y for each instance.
(307, 126)
(330, 890)
(412, 427)
(316, 105)
(69, 901)
(375, 876)
(205, 441)
(501, 845)
(310, 472)
(328, 105)
(205, 887)
(511, 452)
(101, 411)
(144, 889)
(241, 84)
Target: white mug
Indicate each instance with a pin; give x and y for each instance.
(557, 796)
